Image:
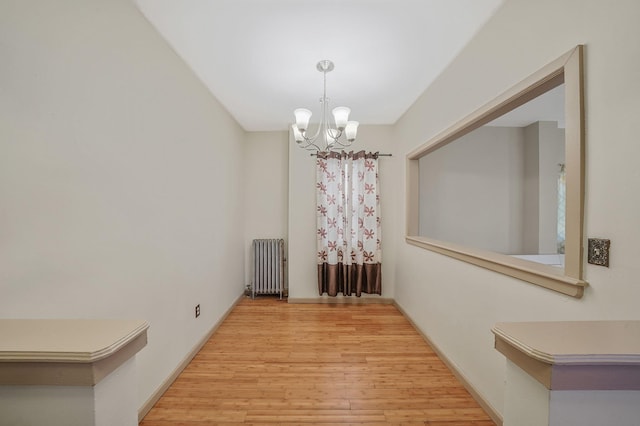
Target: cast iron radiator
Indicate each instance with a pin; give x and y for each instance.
(268, 267)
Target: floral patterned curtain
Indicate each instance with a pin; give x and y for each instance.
(348, 224)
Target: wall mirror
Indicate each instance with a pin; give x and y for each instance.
(503, 188)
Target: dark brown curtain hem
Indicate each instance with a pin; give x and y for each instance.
(350, 280)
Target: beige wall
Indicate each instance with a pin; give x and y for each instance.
(302, 214)
(455, 303)
(471, 190)
(109, 146)
(120, 178)
(544, 152)
(551, 145)
(531, 199)
(266, 182)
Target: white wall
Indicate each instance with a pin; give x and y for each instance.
(120, 179)
(303, 272)
(266, 184)
(455, 303)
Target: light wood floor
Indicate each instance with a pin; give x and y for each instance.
(276, 363)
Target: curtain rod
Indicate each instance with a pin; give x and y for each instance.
(379, 155)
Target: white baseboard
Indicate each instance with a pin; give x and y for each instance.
(148, 405)
(486, 406)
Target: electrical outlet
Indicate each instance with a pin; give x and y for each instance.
(197, 311)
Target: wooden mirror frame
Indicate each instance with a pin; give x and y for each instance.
(567, 69)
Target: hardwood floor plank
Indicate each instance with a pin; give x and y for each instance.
(313, 416)
(271, 363)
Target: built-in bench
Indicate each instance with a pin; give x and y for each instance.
(69, 372)
(583, 373)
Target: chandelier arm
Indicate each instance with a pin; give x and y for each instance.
(309, 145)
(343, 145)
(311, 139)
(330, 131)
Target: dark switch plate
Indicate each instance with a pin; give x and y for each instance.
(598, 251)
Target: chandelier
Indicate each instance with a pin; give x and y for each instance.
(328, 136)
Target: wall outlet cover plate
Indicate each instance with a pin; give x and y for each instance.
(598, 251)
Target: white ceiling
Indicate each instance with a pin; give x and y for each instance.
(258, 57)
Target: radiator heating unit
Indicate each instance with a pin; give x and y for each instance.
(268, 267)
